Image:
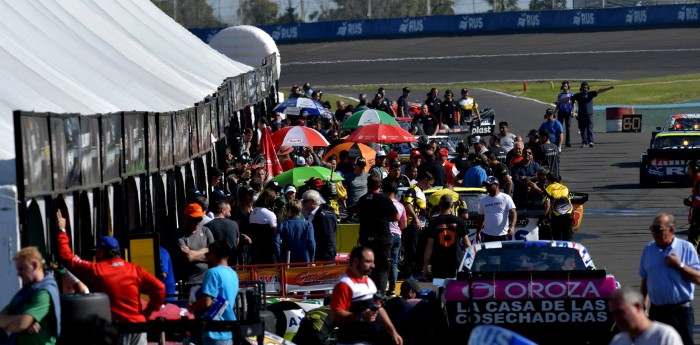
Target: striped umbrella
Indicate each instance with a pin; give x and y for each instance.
(369, 117)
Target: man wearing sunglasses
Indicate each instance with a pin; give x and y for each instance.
(669, 270)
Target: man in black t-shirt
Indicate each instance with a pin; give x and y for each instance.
(429, 121)
(547, 154)
(375, 211)
(443, 251)
(449, 110)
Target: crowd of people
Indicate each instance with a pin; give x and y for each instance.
(247, 217)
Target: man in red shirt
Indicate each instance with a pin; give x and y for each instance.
(353, 306)
(450, 169)
(122, 281)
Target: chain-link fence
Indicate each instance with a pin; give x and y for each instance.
(221, 13)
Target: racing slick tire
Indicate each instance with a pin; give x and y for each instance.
(644, 182)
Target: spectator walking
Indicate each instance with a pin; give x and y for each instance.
(33, 316)
(353, 307)
(376, 211)
(218, 292)
(584, 102)
(417, 320)
(443, 251)
(416, 205)
(497, 215)
(669, 270)
(628, 311)
(294, 238)
(565, 110)
(324, 223)
(558, 208)
(396, 227)
(554, 128)
(122, 281)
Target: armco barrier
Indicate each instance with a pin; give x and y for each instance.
(530, 21)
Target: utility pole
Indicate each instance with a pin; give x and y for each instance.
(427, 7)
(175, 10)
(303, 13)
(369, 8)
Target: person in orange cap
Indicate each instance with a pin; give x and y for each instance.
(189, 247)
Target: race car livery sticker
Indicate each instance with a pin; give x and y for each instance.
(536, 289)
(531, 312)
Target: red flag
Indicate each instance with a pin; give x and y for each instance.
(268, 149)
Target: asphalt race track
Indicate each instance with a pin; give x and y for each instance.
(618, 213)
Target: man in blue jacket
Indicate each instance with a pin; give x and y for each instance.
(295, 236)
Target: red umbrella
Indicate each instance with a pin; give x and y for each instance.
(381, 133)
(298, 136)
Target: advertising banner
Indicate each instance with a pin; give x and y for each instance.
(313, 278)
(36, 150)
(272, 277)
(65, 150)
(90, 150)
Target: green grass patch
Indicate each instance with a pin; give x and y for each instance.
(659, 90)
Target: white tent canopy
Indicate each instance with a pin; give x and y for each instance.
(247, 44)
(86, 56)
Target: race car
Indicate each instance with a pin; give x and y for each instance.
(670, 149)
(548, 291)
(526, 228)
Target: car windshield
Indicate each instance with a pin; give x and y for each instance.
(683, 124)
(527, 259)
(672, 142)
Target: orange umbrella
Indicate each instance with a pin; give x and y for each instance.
(355, 150)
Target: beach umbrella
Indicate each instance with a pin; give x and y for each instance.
(381, 133)
(298, 136)
(355, 150)
(369, 117)
(299, 176)
(295, 106)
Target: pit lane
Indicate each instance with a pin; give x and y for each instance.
(615, 229)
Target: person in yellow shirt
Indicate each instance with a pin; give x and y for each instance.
(558, 208)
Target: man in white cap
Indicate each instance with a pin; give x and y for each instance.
(478, 144)
(497, 215)
(301, 162)
(378, 168)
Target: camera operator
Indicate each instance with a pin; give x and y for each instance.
(353, 307)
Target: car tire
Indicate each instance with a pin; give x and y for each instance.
(644, 182)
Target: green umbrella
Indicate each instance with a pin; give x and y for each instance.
(369, 117)
(299, 176)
